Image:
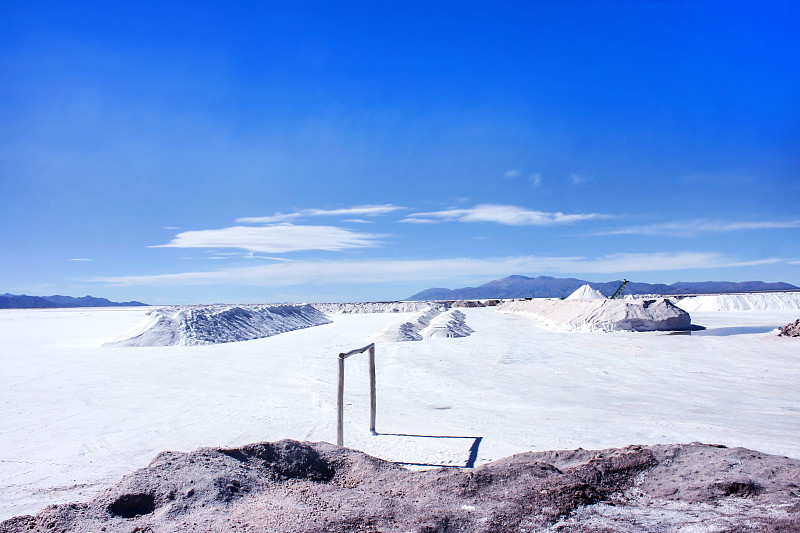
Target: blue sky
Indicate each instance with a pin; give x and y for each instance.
(255, 151)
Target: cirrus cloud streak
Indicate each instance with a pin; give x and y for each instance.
(449, 270)
(509, 215)
(360, 210)
(694, 227)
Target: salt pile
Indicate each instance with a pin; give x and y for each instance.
(434, 322)
(451, 324)
(213, 324)
(603, 315)
(586, 292)
(776, 301)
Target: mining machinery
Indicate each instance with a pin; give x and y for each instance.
(618, 292)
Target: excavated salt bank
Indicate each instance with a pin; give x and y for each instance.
(777, 301)
(603, 315)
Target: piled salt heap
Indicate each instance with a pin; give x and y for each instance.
(603, 315)
(434, 322)
(448, 325)
(774, 301)
(586, 292)
(213, 324)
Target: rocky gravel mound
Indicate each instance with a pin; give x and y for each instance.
(790, 330)
(295, 486)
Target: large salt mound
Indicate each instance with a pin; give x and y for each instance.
(400, 332)
(451, 324)
(586, 292)
(213, 324)
(776, 301)
(603, 315)
(433, 322)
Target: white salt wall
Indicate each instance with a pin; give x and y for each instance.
(775, 301)
(77, 415)
(372, 307)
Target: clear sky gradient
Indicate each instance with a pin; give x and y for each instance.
(286, 151)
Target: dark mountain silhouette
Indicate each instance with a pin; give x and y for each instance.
(549, 287)
(22, 301)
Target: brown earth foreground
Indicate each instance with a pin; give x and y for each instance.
(304, 487)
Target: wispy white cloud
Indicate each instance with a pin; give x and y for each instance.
(501, 214)
(280, 238)
(695, 227)
(535, 179)
(513, 173)
(361, 210)
(80, 259)
(448, 270)
(577, 179)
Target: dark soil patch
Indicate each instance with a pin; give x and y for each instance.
(318, 487)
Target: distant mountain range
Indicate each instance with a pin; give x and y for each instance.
(549, 287)
(22, 301)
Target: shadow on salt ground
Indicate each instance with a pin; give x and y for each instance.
(473, 451)
(733, 330)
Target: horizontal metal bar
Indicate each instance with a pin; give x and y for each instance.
(358, 350)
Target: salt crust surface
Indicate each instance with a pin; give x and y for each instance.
(214, 324)
(602, 315)
(778, 301)
(78, 415)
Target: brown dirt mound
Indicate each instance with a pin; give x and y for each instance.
(315, 487)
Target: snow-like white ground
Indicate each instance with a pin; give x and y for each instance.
(77, 416)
